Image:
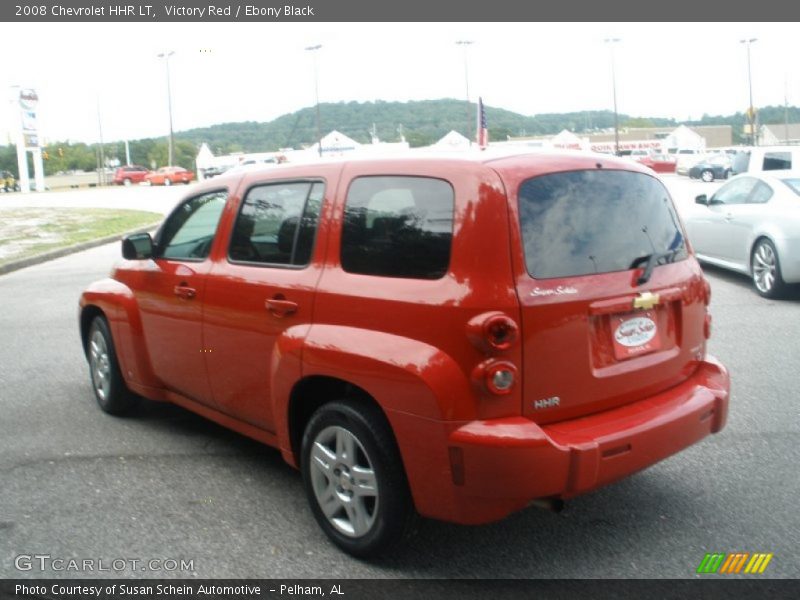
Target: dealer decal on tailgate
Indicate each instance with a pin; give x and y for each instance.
(635, 333)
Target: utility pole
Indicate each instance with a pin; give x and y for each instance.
(466, 44)
(611, 42)
(314, 49)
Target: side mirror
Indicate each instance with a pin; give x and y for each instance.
(138, 246)
(701, 199)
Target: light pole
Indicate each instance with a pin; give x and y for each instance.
(314, 49)
(751, 113)
(611, 42)
(165, 56)
(466, 44)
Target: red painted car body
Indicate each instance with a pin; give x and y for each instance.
(169, 176)
(130, 174)
(660, 163)
(248, 345)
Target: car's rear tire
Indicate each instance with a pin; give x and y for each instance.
(127, 182)
(167, 181)
(727, 174)
(109, 387)
(354, 478)
(707, 175)
(765, 267)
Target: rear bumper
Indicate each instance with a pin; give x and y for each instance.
(499, 466)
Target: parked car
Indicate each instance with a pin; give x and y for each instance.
(130, 174)
(685, 159)
(660, 163)
(213, 172)
(752, 225)
(766, 158)
(717, 166)
(547, 332)
(169, 175)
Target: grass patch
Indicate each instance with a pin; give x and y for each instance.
(26, 232)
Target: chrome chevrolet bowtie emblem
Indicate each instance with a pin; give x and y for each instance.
(646, 300)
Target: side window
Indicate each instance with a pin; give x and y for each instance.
(277, 224)
(776, 161)
(189, 231)
(761, 194)
(735, 192)
(398, 227)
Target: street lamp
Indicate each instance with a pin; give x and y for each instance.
(751, 113)
(611, 42)
(314, 50)
(466, 44)
(165, 56)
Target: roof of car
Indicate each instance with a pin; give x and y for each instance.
(501, 160)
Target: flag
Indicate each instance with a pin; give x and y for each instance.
(483, 132)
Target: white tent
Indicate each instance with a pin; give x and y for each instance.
(452, 141)
(567, 139)
(683, 137)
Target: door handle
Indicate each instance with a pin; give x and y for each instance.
(280, 306)
(185, 292)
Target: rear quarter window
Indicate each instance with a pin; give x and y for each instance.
(595, 221)
(398, 227)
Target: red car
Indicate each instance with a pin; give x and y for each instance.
(170, 175)
(452, 337)
(660, 163)
(130, 174)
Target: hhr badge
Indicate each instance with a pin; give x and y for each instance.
(551, 402)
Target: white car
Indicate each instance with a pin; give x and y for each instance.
(752, 225)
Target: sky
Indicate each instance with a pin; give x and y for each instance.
(223, 72)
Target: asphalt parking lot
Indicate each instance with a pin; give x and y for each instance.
(165, 484)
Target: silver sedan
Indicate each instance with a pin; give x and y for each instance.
(752, 225)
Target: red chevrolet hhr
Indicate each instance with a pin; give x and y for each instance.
(451, 337)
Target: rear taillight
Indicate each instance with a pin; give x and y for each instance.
(497, 376)
(492, 332)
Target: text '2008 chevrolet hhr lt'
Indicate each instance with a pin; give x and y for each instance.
(451, 337)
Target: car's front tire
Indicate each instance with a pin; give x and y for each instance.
(109, 387)
(354, 478)
(765, 267)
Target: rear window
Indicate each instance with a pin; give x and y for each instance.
(777, 161)
(596, 221)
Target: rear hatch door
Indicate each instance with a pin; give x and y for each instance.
(612, 302)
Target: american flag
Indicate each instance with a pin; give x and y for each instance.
(483, 132)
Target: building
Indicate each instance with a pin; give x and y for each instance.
(658, 139)
(777, 135)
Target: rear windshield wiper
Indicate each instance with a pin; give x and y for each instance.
(652, 260)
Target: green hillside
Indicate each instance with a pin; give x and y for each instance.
(421, 122)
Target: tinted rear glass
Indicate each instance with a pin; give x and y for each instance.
(777, 161)
(398, 227)
(597, 221)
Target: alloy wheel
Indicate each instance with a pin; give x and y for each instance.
(344, 481)
(765, 266)
(100, 365)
